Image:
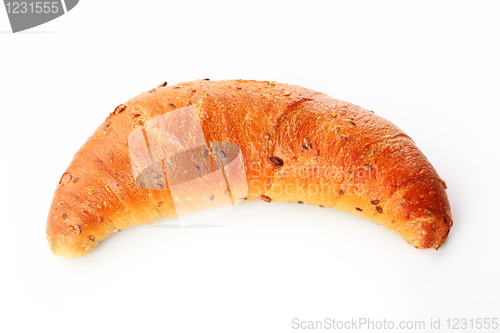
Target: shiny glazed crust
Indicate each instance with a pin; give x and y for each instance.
(297, 145)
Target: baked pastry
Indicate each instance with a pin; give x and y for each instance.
(192, 146)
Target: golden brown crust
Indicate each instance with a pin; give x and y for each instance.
(297, 145)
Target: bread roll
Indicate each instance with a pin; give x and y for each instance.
(175, 150)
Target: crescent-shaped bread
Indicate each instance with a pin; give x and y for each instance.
(175, 150)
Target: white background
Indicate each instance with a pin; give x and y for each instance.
(431, 67)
